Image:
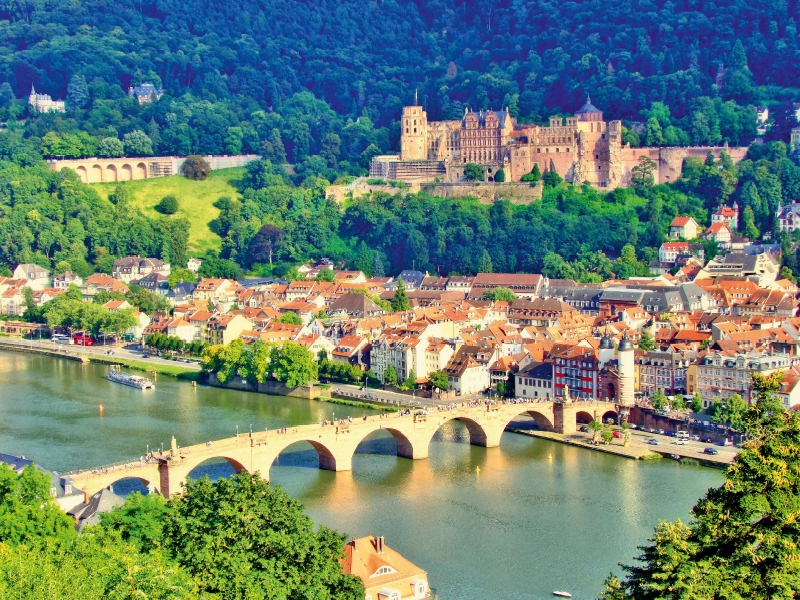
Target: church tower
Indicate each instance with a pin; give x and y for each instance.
(414, 135)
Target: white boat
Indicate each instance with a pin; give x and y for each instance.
(562, 594)
(117, 376)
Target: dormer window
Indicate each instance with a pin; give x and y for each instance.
(384, 570)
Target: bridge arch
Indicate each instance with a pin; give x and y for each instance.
(405, 446)
(141, 171)
(328, 460)
(478, 436)
(82, 173)
(126, 173)
(610, 414)
(111, 173)
(543, 421)
(583, 417)
(96, 174)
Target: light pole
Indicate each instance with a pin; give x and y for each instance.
(237, 431)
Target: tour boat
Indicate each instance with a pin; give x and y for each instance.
(117, 376)
(562, 594)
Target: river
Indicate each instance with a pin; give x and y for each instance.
(507, 523)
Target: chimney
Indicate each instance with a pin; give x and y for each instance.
(380, 545)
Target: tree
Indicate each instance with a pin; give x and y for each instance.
(265, 244)
(697, 403)
(643, 173)
(110, 147)
(400, 300)
(552, 179)
(741, 539)
(732, 412)
(658, 400)
(439, 379)
(27, 510)
(290, 318)
(410, 382)
(595, 427)
(77, 92)
(646, 342)
(499, 294)
(196, 167)
(139, 520)
(377, 266)
(654, 136)
(390, 376)
(749, 220)
(606, 435)
(534, 176)
(473, 172)
(180, 274)
(168, 205)
(500, 176)
(137, 143)
(292, 364)
(242, 536)
(485, 265)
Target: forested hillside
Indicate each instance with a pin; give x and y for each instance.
(235, 73)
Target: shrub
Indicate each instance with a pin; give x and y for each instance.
(195, 167)
(168, 205)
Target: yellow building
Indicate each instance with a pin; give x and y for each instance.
(385, 573)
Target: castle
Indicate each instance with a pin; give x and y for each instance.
(44, 103)
(581, 148)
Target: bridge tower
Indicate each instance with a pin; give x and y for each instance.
(627, 377)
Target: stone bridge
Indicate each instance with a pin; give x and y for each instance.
(337, 443)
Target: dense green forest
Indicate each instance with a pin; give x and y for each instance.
(277, 221)
(239, 538)
(292, 80)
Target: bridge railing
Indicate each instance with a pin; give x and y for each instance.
(118, 466)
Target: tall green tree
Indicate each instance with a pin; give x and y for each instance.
(742, 538)
(400, 300)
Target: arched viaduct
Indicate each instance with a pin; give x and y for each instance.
(337, 443)
(103, 170)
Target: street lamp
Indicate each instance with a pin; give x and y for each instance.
(237, 431)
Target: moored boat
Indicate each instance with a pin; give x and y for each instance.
(562, 594)
(117, 376)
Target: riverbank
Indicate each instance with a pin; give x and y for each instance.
(181, 373)
(634, 452)
(360, 404)
(58, 353)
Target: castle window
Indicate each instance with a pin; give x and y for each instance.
(558, 149)
(603, 136)
(415, 130)
(597, 156)
(567, 149)
(538, 151)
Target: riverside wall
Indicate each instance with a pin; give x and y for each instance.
(65, 354)
(273, 388)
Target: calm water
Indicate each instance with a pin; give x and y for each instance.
(538, 516)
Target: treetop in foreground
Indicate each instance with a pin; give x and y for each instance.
(743, 540)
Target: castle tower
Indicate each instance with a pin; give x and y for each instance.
(414, 135)
(627, 373)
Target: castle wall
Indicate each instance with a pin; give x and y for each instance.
(670, 160)
(486, 193)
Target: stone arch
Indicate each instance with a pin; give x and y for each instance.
(111, 173)
(477, 434)
(141, 171)
(327, 459)
(583, 417)
(126, 173)
(542, 420)
(405, 447)
(236, 465)
(82, 173)
(96, 174)
(610, 414)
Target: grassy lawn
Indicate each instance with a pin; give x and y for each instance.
(196, 199)
(170, 370)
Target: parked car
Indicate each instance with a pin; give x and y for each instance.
(725, 443)
(632, 425)
(710, 451)
(670, 434)
(707, 440)
(584, 429)
(661, 431)
(695, 438)
(145, 355)
(617, 434)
